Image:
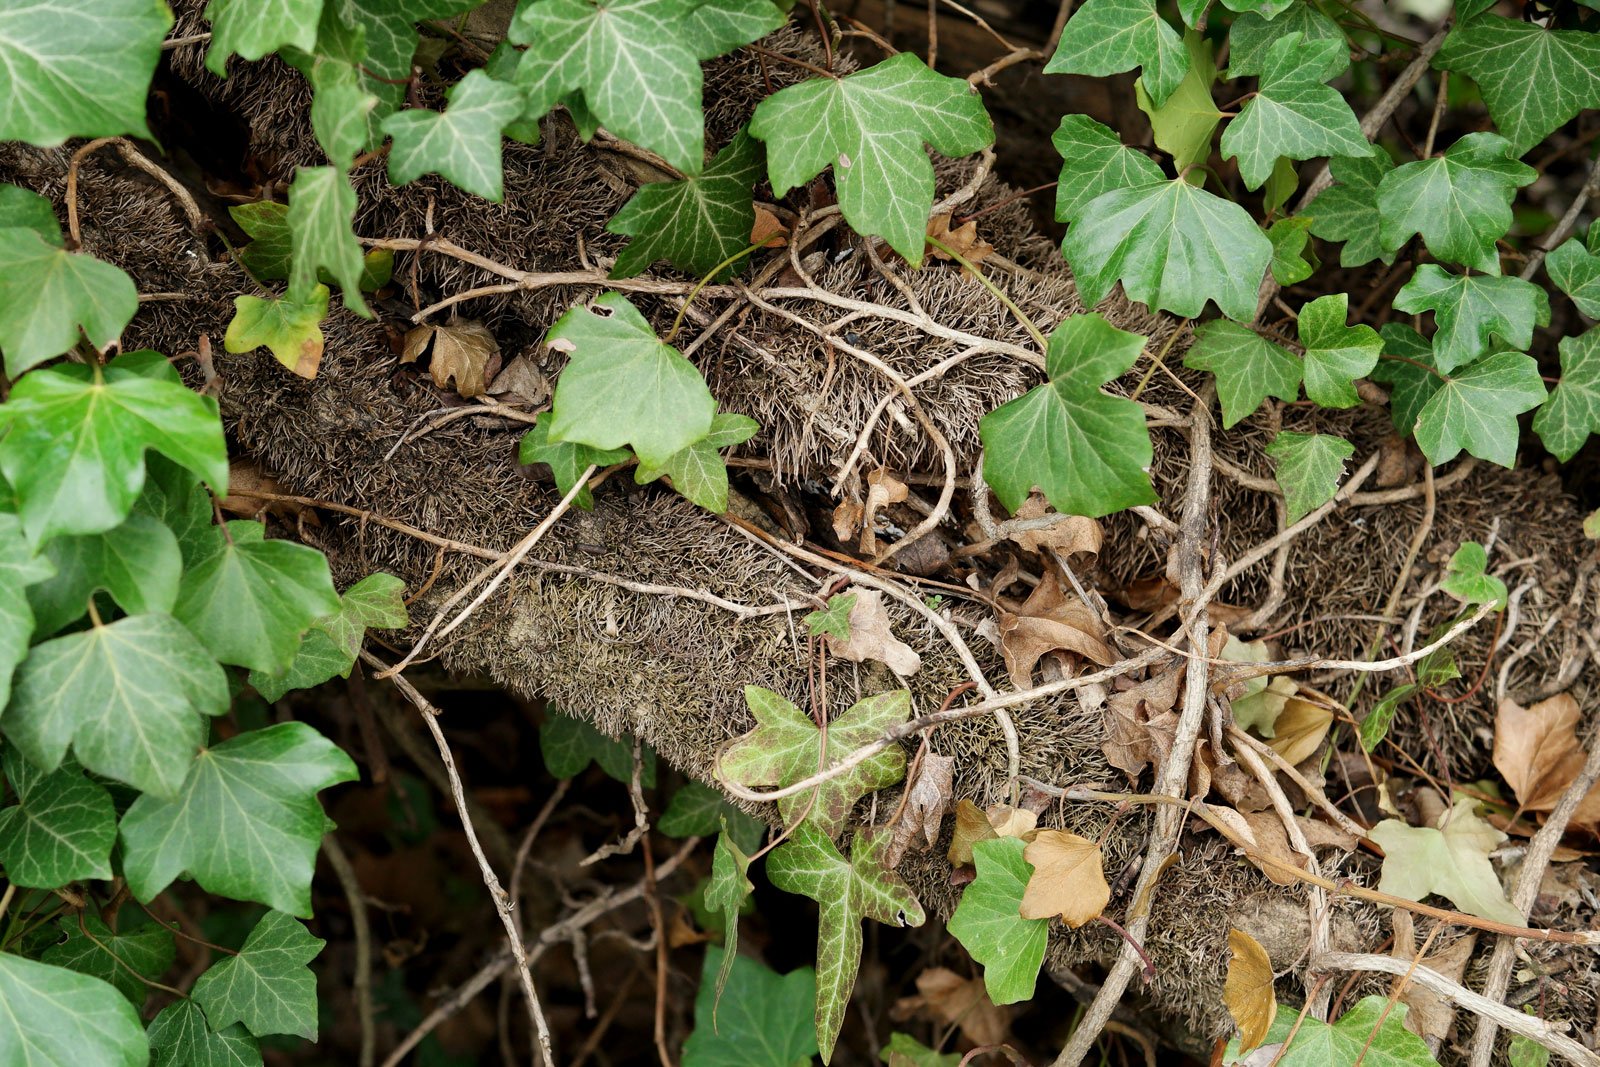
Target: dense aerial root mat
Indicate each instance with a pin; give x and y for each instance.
(648, 615)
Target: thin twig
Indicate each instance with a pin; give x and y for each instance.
(361, 925)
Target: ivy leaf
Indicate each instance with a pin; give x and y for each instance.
(1572, 413)
(1292, 259)
(1532, 79)
(61, 828)
(388, 32)
(1373, 1032)
(1375, 727)
(1248, 367)
(1452, 861)
(181, 1037)
(78, 68)
(130, 698)
(267, 986)
(1576, 271)
(726, 891)
(786, 746)
(1095, 161)
(569, 745)
(624, 387)
(1182, 126)
(249, 599)
(567, 461)
(989, 924)
(1473, 309)
(846, 892)
(343, 104)
(256, 28)
(1336, 354)
(330, 647)
(287, 327)
(1477, 410)
(834, 619)
(267, 256)
(322, 207)
(1110, 36)
(139, 564)
(698, 473)
(1309, 467)
(28, 210)
(1459, 202)
(463, 143)
(1294, 114)
(1411, 373)
(50, 297)
(697, 810)
(1173, 246)
(870, 127)
(1252, 35)
(1348, 211)
(636, 63)
(696, 223)
(766, 1022)
(903, 1050)
(1467, 578)
(92, 948)
(1087, 450)
(58, 1018)
(19, 568)
(245, 825)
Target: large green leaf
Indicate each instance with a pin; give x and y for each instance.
(322, 207)
(267, 986)
(50, 297)
(77, 68)
(1094, 161)
(695, 223)
(1477, 410)
(58, 1018)
(1294, 115)
(989, 924)
(130, 698)
(245, 825)
(138, 563)
(1173, 246)
(1348, 210)
(1248, 367)
(871, 127)
(19, 568)
(463, 143)
(1459, 202)
(73, 439)
(1336, 354)
(766, 1021)
(786, 747)
(127, 959)
(1110, 36)
(1087, 450)
(253, 29)
(181, 1037)
(1309, 466)
(1576, 271)
(61, 828)
(1572, 413)
(1533, 79)
(846, 892)
(623, 386)
(1473, 310)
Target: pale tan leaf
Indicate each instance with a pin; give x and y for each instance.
(1536, 749)
(883, 489)
(972, 826)
(1300, 729)
(1248, 993)
(461, 352)
(1068, 878)
(870, 637)
(847, 520)
(1068, 535)
(1011, 822)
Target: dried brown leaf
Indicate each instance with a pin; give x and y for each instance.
(1248, 993)
(1140, 723)
(1300, 729)
(1536, 749)
(927, 799)
(870, 637)
(847, 520)
(520, 382)
(1011, 822)
(883, 489)
(1068, 878)
(963, 239)
(951, 1000)
(768, 231)
(1068, 535)
(461, 351)
(972, 826)
(1050, 621)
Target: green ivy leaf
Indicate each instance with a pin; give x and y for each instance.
(1182, 125)
(624, 387)
(1572, 413)
(870, 127)
(1472, 310)
(989, 924)
(139, 564)
(1532, 79)
(1280, 186)
(26, 209)
(1087, 450)
(330, 647)
(253, 29)
(388, 32)
(1095, 161)
(1336, 354)
(698, 810)
(61, 828)
(1452, 861)
(786, 746)
(1348, 211)
(1248, 367)
(78, 68)
(130, 698)
(19, 568)
(766, 1022)
(1525, 1052)
(249, 600)
(1294, 114)
(1467, 578)
(846, 892)
(1110, 36)
(245, 825)
(50, 298)
(1409, 369)
(1576, 271)
(903, 1050)
(58, 1018)
(267, 256)
(1309, 466)
(1477, 410)
(834, 619)
(1252, 35)
(287, 327)
(726, 892)
(181, 1037)
(343, 104)
(322, 207)
(463, 143)
(636, 62)
(267, 986)
(696, 223)
(1459, 202)
(567, 461)
(1173, 246)
(698, 473)
(1293, 260)
(569, 745)
(93, 948)
(1357, 1035)
(1375, 727)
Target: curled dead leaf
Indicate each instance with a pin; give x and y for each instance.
(250, 492)
(964, 240)
(461, 351)
(927, 799)
(1067, 534)
(1050, 621)
(870, 637)
(1140, 722)
(1247, 993)
(1300, 729)
(1068, 878)
(883, 489)
(520, 382)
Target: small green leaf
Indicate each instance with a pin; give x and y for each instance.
(1086, 449)
(765, 1022)
(846, 892)
(267, 255)
(255, 28)
(1336, 354)
(28, 210)
(1373, 1032)
(1280, 186)
(245, 825)
(330, 647)
(698, 473)
(58, 1018)
(1525, 1052)
(567, 461)
(289, 328)
(19, 568)
(1293, 260)
(50, 298)
(1110, 36)
(726, 892)
(1182, 126)
(1309, 467)
(1452, 861)
(139, 564)
(1576, 272)
(124, 959)
(267, 986)
(1532, 79)
(1467, 578)
(870, 127)
(903, 1050)
(569, 745)
(695, 223)
(624, 387)
(834, 619)
(1375, 727)
(1095, 161)
(322, 207)
(181, 1037)
(698, 810)
(1252, 35)
(1408, 367)
(989, 924)
(1248, 367)
(1572, 413)
(1459, 202)
(1472, 310)
(786, 746)
(1348, 211)
(130, 698)
(1477, 410)
(1294, 114)
(61, 828)
(342, 103)
(463, 143)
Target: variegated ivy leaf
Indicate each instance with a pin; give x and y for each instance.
(1572, 413)
(138, 565)
(1110, 36)
(1095, 161)
(695, 223)
(846, 892)
(255, 28)
(181, 1037)
(1476, 409)
(1532, 79)
(463, 143)
(1309, 466)
(726, 892)
(1294, 114)
(20, 567)
(1459, 202)
(322, 207)
(1408, 367)
(388, 33)
(1473, 310)
(1348, 211)
(1336, 354)
(786, 747)
(288, 328)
